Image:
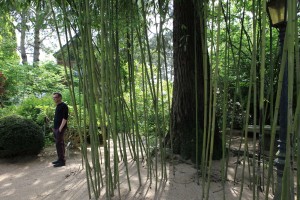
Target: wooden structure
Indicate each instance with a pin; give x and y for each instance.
(67, 52)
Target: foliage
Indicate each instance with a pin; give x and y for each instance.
(25, 80)
(2, 83)
(145, 110)
(36, 109)
(8, 46)
(235, 108)
(20, 136)
(234, 113)
(8, 42)
(2, 79)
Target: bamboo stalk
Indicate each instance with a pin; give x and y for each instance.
(207, 111)
(225, 100)
(274, 123)
(297, 111)
(104, 103)
(203, 30)
(288, 180)
(252, 84)
(215, 88)
(196, 97)
(261, 94)
(74, 105)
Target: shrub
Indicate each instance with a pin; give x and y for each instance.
(20, 136)
(36, 108)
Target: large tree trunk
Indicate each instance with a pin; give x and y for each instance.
(23, 33)
(37, 43)
(37, 28)
(187, 55)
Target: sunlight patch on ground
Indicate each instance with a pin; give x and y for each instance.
(235, 191)
(3, 177)
(49, 183)
(9, 192)
(20, 175)
(36, 182)
(7, 185)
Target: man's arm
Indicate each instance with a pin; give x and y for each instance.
(62, 125)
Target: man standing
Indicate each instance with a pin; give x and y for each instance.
(60, 126)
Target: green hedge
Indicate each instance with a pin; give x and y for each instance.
(20, 136)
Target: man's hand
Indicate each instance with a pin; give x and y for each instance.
(62, 125)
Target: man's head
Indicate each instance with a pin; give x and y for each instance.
(57, 97)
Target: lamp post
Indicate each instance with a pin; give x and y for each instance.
(277, 12)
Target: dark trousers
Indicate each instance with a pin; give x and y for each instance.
(60, 144)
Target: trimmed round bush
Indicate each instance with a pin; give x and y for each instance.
(20, 136)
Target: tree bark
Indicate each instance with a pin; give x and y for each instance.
(187, 55)
(37, 28)
(36, 51)
(23, 33)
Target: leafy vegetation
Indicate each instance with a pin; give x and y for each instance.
(20, 136)
(23, 81)
(118, 78)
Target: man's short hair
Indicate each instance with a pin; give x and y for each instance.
(58, 94)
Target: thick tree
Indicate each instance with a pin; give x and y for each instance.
(22, 30)
(41, 21)
(33, 23)
(188, 56)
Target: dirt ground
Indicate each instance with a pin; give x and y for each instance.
(28, 178)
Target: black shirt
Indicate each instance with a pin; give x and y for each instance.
(61, 112)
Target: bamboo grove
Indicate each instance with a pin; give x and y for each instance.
(123, 63)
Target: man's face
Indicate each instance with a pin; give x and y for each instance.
(56, 98)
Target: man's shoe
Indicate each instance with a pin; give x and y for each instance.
(59, 164)
(55, 162)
